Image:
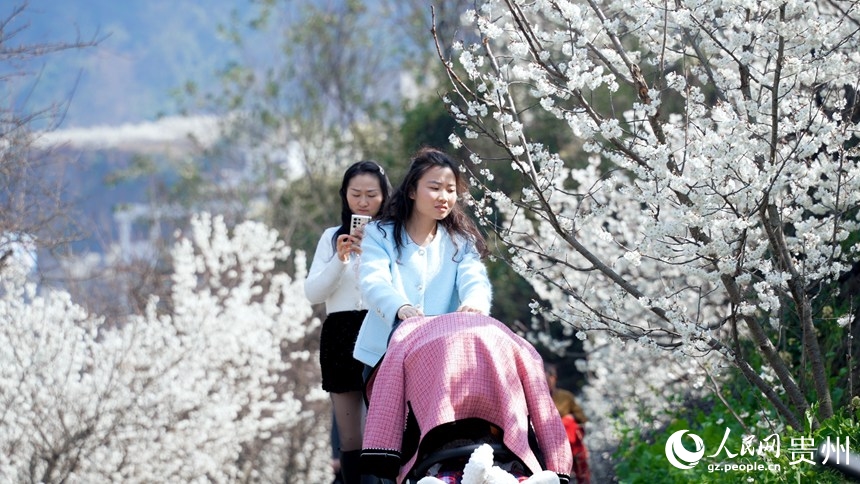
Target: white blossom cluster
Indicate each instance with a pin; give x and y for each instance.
(721, 182)
(192, 391)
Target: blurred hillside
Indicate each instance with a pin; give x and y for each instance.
(149, 48)
(119, 132)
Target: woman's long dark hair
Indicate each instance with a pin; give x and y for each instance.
(358, 168)
(398, 208)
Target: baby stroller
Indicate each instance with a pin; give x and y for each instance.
(452, 384)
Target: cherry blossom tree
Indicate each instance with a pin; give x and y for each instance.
(32, 209)
(195, 390)
(702, 201)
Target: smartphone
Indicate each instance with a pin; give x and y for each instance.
(358, 221)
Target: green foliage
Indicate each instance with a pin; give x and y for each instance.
(743, 412)
(845, 424)
(304, 210)
(427, 124)
(740, 436)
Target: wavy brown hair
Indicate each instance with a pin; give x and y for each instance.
(398, 207)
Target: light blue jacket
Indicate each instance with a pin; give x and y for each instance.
(437, 279)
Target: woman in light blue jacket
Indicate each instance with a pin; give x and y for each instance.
(423, 255)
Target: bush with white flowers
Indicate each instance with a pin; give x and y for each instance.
(701, 190)
(201, 388)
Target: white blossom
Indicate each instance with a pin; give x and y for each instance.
(164, 397)
(706, 194)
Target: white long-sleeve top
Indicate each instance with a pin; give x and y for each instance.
(332, 281)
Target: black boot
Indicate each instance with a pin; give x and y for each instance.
(349, 466)
(351, 470)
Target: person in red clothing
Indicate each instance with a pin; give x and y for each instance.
(461, 379)
(574, 421)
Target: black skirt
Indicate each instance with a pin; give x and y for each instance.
(340, 371)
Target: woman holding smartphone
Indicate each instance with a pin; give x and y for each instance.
(423, 255)
(333, 280)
